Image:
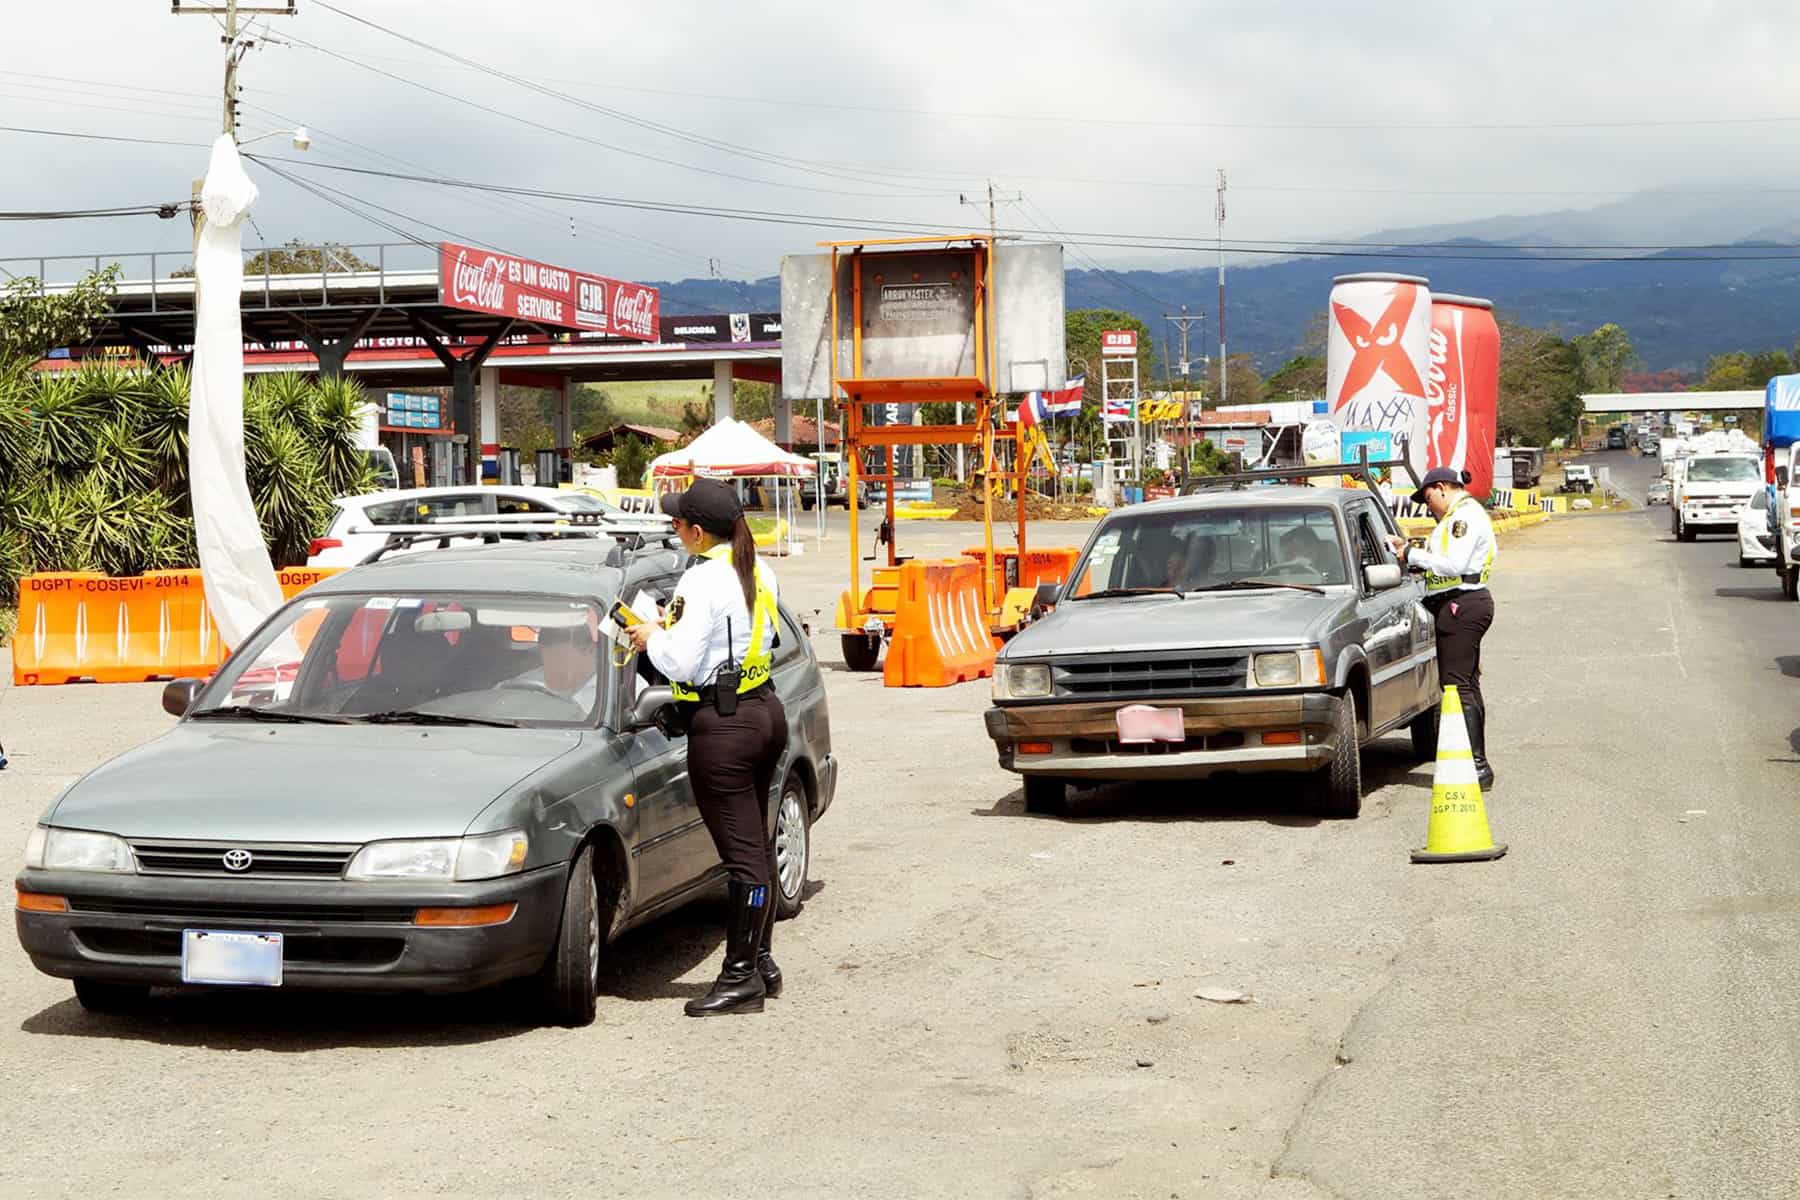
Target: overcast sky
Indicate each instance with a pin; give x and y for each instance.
(883, 110)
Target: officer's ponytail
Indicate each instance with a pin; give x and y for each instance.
(743, 560)
(1467, 478)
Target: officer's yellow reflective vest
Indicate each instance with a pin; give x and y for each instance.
(761, 653)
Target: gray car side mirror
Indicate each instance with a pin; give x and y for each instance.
(178, 695)
(650, 701)
(1383, 577)
(1046, 594)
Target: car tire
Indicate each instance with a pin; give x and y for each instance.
(1424, 730)
(793, 834)
(1743, 559)
(99, 996)
(807, 505)
(1790, 583)
(861, 651)
(569, 980)
(1336, 788)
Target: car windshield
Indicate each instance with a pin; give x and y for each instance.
(462, 658)
(1185, 550)
(1723, 470)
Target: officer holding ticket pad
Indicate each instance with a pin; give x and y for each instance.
(715, 645)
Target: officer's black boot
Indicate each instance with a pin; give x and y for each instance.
(1475, 713)
(765, 962)
(739, 988)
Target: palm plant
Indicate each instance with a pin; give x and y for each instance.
(66, 415)
(285, 483)
(337, 408)
(164, 425)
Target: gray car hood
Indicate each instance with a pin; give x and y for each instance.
(1280, 617)
(237, 781)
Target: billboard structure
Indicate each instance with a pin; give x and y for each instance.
(879, 327)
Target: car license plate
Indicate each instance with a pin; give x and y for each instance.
(228, 957)
(1140, 724)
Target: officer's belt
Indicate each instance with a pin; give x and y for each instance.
(710, 693)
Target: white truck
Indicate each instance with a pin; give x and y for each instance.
(1709, 488)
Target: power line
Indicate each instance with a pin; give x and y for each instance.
(1107, 239)
(811, 166)
(165, 211)
(103, 137)
(569, 133)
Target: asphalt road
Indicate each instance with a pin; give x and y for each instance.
(1607, 1011)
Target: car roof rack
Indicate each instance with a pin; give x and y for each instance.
(1361, 467)
(631, 534)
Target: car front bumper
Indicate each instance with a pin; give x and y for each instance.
(337, 935)
(1755, 544)
(1224, 735)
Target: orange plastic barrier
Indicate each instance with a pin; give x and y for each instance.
(1015, 570)
(940, 633)
(82, 626)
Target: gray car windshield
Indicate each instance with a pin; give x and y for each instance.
(1187, 550)
(420, 659)
(1724, 470)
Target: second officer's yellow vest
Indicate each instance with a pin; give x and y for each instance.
(761, 652)
(1439, 541)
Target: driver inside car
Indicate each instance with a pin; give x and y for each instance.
(567, 663)
(1303, 546)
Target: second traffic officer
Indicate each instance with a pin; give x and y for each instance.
(716, 651)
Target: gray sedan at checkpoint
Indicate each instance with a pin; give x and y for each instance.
(427, 773)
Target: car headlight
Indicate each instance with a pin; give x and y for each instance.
(1289, 668)
(1021, 681)
(485, 856)
(54, 849)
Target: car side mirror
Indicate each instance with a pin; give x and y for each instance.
(1383, 577)
(650, 702)
(1045, 595)
(178, 695)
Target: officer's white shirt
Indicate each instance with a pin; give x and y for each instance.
(1461, 544)
(693, 650)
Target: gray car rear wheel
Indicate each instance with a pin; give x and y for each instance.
(569, 980)
(793, 847)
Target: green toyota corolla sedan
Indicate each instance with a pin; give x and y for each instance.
(426, 773)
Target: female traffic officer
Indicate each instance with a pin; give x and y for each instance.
(1457, 558)
(716, 652)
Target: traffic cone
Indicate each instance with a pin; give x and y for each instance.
(1459, 829)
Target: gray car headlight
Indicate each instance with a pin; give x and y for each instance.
(1290, 668)
(1021, 681)
(485, 856)
(54, 849)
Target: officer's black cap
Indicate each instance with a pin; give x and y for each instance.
(707, 503)
(1439, 475)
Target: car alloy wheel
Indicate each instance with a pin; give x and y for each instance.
(793, 847)
(569, 980)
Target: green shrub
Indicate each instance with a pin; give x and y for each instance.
(94, 472)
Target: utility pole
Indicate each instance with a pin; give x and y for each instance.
(1183, 321)
(1219, 220)
(993, 201)
(235, 50)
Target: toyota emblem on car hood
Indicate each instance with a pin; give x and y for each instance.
(237, 860)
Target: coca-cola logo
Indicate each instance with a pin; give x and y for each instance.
(483, 286)
(634, 309)
(1443, 398)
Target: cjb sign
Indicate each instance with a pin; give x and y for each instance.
(554, 297)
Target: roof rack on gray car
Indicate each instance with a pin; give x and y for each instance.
(631, 535)
(1362, 468)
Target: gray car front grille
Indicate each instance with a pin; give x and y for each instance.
(278, 859)
(1105, 676)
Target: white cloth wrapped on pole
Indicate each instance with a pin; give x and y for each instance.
(241, 588)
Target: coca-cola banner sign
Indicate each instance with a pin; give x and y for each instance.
(554, 297)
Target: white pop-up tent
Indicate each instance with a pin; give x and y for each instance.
(733, 450)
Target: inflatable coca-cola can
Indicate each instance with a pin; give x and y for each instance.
(1462, 388)
(1376, 357)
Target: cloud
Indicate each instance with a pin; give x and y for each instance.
(881, 111)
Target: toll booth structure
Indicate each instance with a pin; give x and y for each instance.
(952, 319)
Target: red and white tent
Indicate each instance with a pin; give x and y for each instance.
(731, 450)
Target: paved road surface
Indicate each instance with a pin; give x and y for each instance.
(1608, 1011)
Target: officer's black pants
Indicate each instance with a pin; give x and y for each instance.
(1462, 621)
(731, 766)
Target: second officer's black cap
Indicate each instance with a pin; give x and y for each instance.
(707, 503)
